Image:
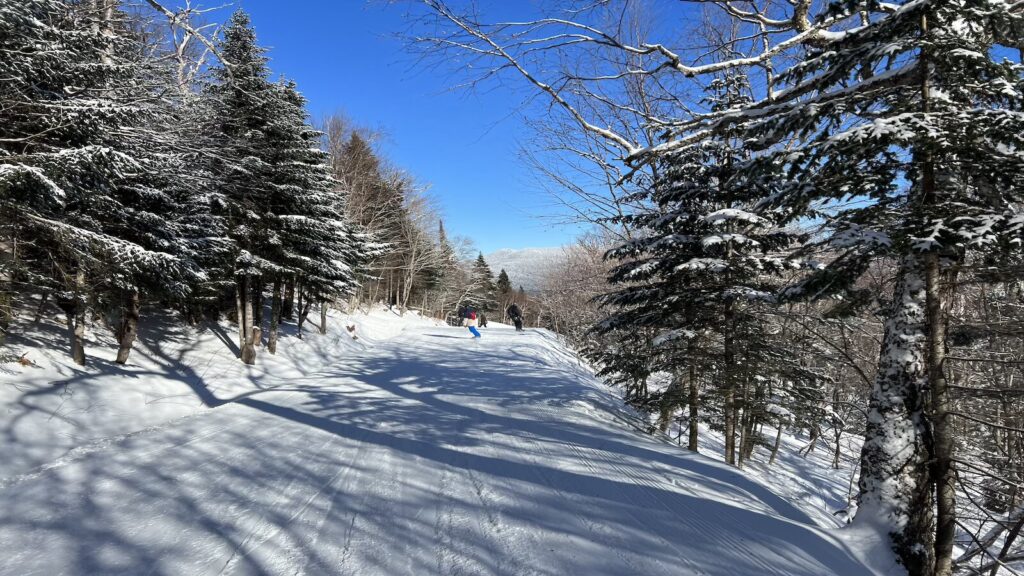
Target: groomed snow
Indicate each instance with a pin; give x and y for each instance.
(412, 450)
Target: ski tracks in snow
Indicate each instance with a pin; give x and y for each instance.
(425, 455)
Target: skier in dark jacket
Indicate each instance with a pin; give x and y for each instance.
(516, 315)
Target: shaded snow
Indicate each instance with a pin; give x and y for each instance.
(412, 450)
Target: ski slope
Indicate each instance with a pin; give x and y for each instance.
(427, 453)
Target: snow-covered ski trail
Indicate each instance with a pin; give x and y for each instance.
(428, 454)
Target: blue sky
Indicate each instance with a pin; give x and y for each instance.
(345, 56)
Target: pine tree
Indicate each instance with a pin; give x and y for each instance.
(373, 203)
(626, 361)
(444, 245)
(245, 108)
(169, 196)
(376, 203)
(703, 265)
(312, 239)
(482, 294)
(503, 285)
(200, 203)
(284, 212)
(82, 211)
(503, 291)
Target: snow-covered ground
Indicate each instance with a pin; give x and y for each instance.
(174, 371)
(412, 450)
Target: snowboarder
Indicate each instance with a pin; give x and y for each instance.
(463, 312)
(471, 323)
(516, 315)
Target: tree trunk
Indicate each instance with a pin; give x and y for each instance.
(669, 402)
(815, 434)
(275, 316)
(323, 317)
(129, 327)
(288, 305)
(836, 460)
(6, 307)
(745, 424)
(694, 399)
(729, 361)
(39, 311)
(78, 336)
(895, 480)
(407, 291)
(729, 367)
(248, 346)
(942, 442)
(241, 298)
(730, 426)
(257, 308)
(936, 308)
(303, 312)
(257, 336)
(76, 321)
(775, 447)
(104, 13)
(391, 300)
(7, 289)
(376, 289)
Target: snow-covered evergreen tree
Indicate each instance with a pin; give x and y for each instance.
(902, 135)
(482, 296)
(503, 284)
(245, 110)
(503, 291)
(700, 268)
(283, 210)
(314, 241)
(84, 216)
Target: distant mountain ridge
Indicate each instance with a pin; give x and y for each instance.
(526, 267)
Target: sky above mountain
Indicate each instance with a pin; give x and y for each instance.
(348, 56)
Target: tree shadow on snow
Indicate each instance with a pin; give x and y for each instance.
(506, 466)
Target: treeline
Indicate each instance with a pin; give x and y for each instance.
(126, 180)
(423, 268)
(143, 164)
(826, 235)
